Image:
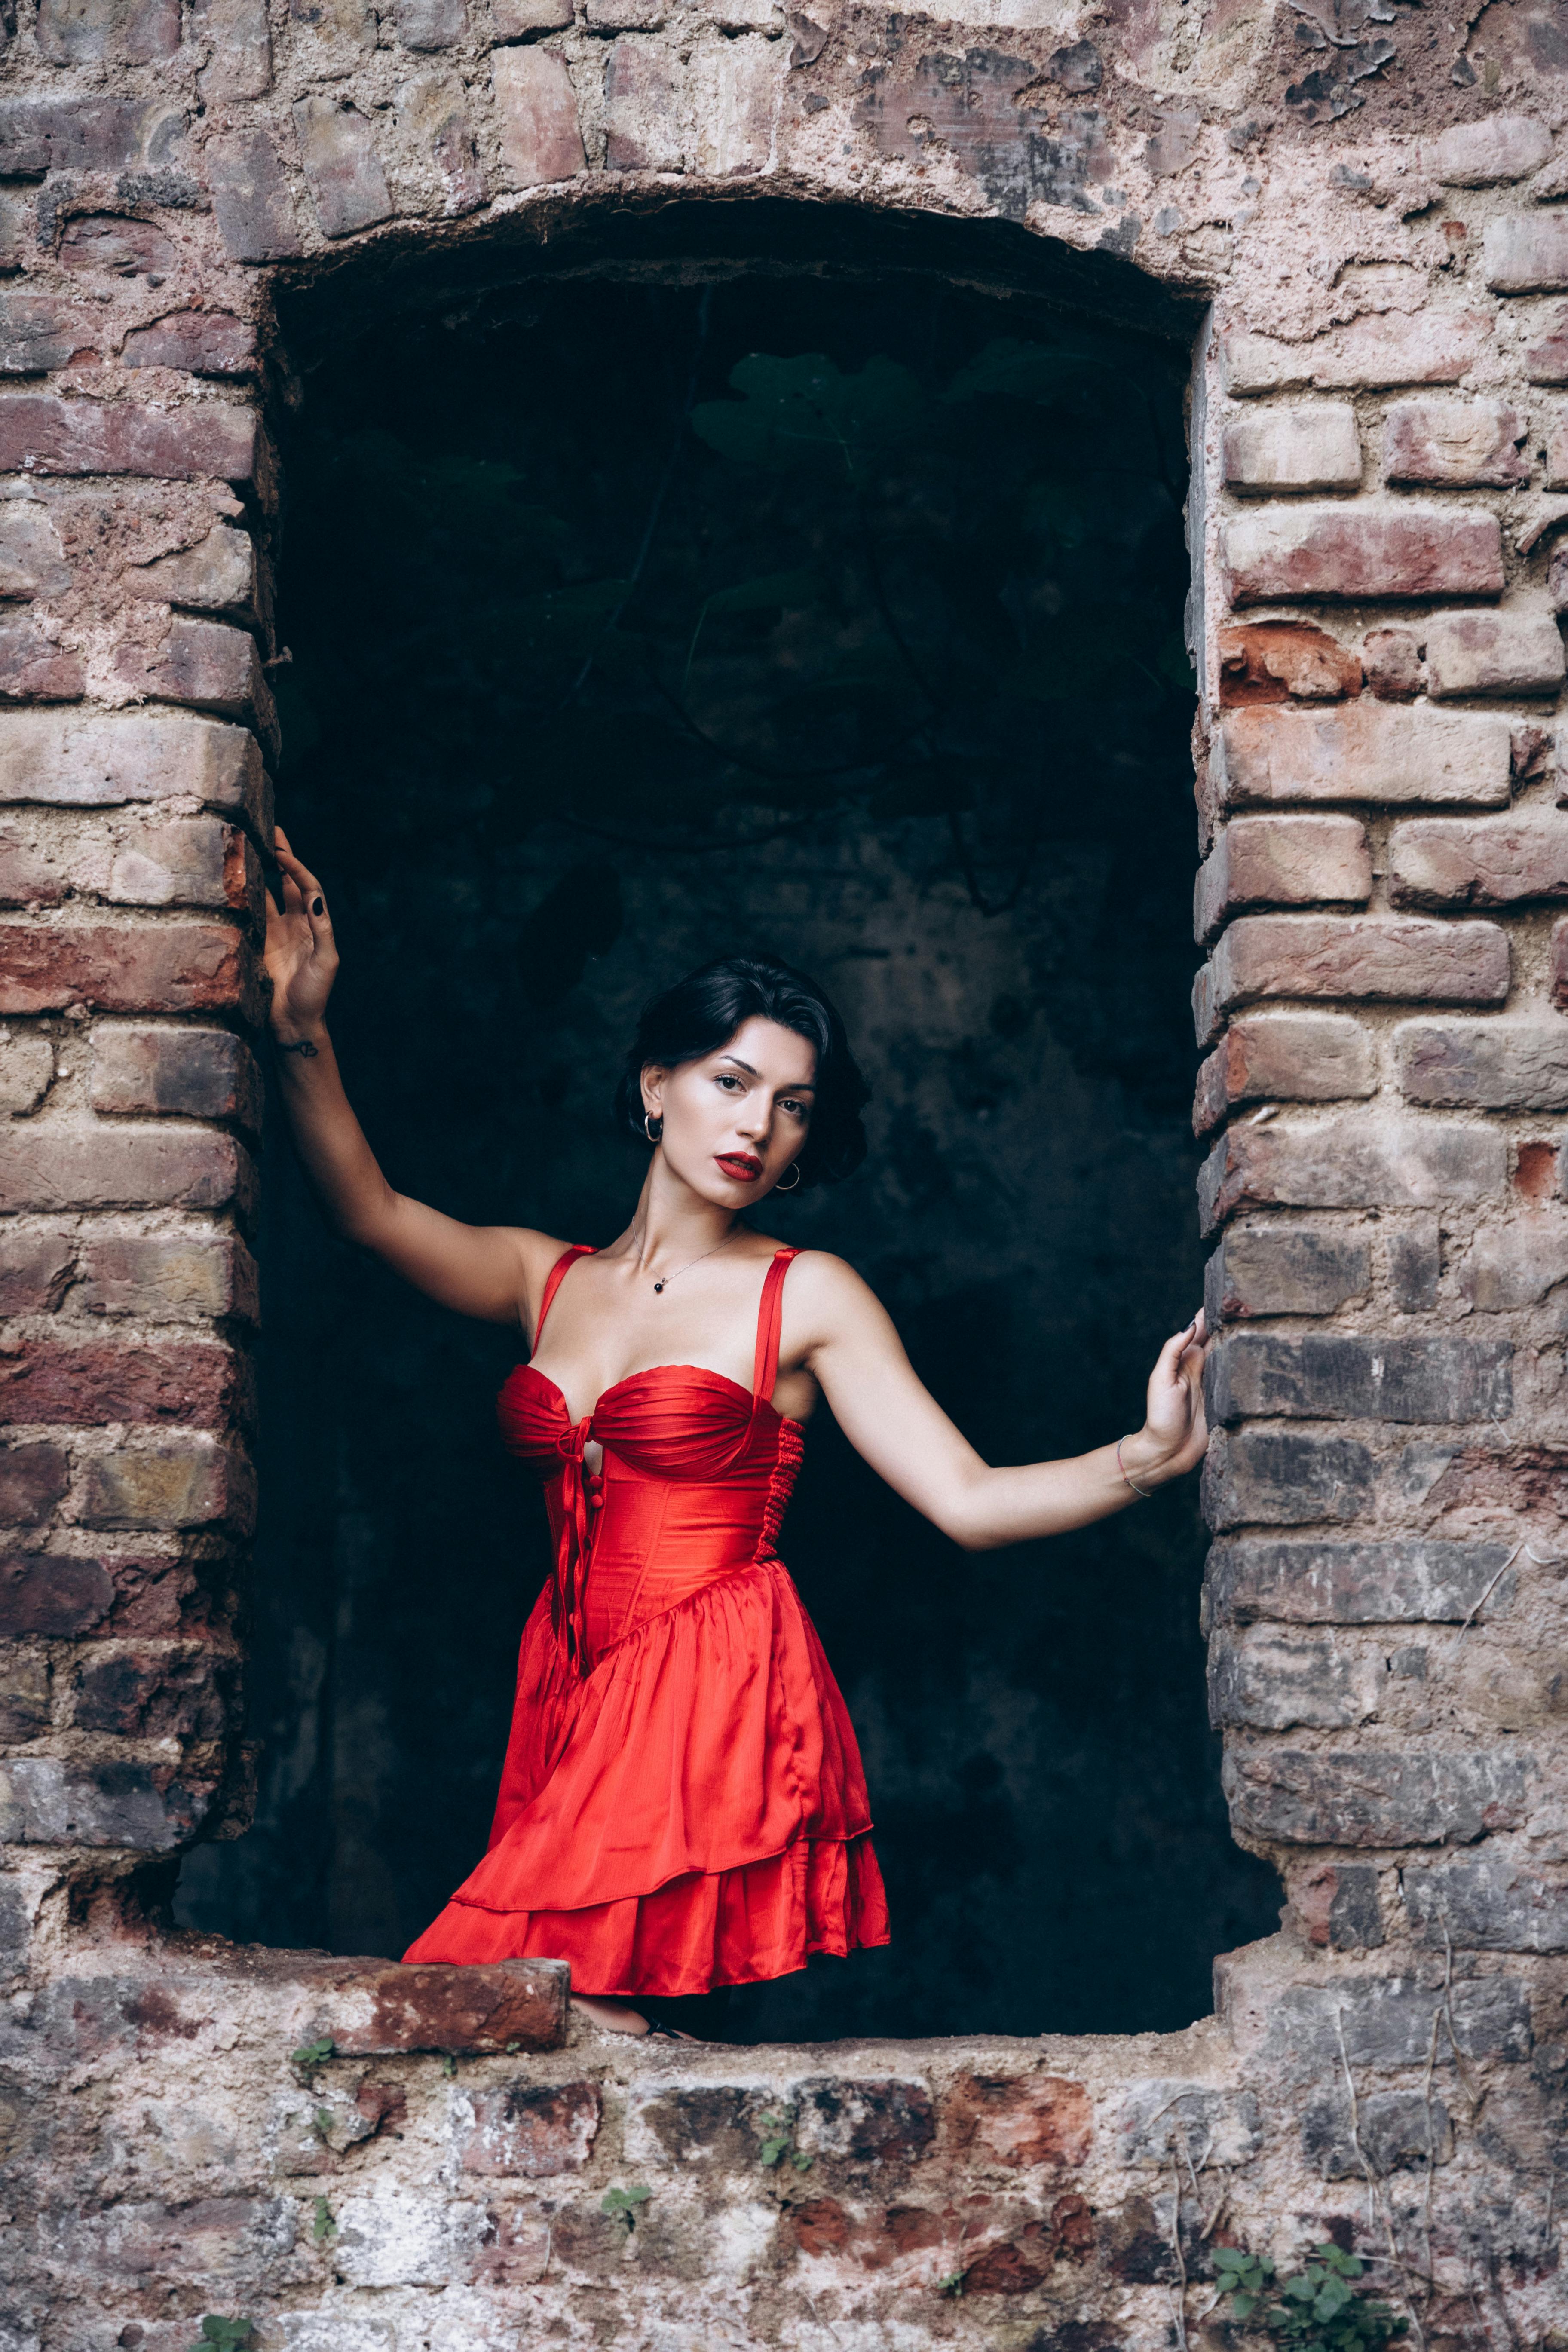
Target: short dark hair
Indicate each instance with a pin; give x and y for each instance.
(703, 1011)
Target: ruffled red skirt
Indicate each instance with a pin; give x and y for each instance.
(693, 1813)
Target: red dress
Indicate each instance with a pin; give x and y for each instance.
(682, 1804)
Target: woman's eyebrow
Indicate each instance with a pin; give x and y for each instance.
(805, 1086)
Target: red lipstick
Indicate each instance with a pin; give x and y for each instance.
(739, 1166)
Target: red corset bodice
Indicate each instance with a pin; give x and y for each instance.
(695, 1480)
(682, 1803)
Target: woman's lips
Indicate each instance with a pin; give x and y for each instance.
(739, 1167)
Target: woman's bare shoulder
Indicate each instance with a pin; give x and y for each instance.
(823, 1285)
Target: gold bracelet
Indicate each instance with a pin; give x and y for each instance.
(1144, 1494)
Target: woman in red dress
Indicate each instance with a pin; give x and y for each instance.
(682, 1805)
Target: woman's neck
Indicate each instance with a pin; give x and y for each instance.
(671, 1223)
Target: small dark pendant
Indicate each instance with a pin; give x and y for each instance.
(658, 1286)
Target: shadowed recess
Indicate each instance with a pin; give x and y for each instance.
(631, 625)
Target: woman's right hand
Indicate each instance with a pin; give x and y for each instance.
(301, 956)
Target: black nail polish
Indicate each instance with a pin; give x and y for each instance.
(317, 905)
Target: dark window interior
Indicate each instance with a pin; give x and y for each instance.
(633, 622)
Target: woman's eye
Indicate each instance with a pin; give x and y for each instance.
(728, 1078)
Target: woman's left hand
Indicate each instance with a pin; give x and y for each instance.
(1173, 1438)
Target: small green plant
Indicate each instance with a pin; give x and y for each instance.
(952, 2285)
(325, 2225)
(311, 2054)
(778, 2139)
(321, 2123)
(220, 2334)
(623, 2202)
(1315, 2309)
(450, 2066)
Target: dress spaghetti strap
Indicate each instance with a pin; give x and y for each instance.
(770, 1321)
(553, 1282)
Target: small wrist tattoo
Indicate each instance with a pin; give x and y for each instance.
(302, 1046)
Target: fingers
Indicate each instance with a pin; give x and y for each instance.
(1168, 1363)
(302, 892)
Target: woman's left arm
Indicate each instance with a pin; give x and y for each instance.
(846, 1339)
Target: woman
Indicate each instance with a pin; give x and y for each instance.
(682, 1805)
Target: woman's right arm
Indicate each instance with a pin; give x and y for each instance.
(487, 1271)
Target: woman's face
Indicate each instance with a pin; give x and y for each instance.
(734, 1120)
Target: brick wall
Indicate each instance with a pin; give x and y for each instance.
(1380, 428)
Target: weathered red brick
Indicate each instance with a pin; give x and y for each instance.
(209, 441)
(1360, 549)
(217, 574)
(435, 120)
(1484, 1065)
(202, 343)
(1366, 956)
(84, 134)
(1284, 1057)
(1292, 861)
(1493, 653)
(107, 1166)
(26, 1073)
(25, 1709)
(39, 332)
(540, 138)
(181, 967)
(1433, 347)
(182, 1072)
(1353, 1162)
(32, 668)
(1482, 861)
(108, 32)
(1393, 661)
(866, 2121)
(1461, 443)
(642, 89)
(32, 553)
(251, 202)
(1022, 2261)
(342, 168)
(188, 1482)
(153, 1695)
(35, 1269)
(1264, 1476)
(465, 2011)
(143, 1808)
(113, 245)
(1285, 1267)
(32, 1480)
(203, 662)
(1373, 1797)
(532, 2131)
(1366, 751)
(1526, 254)
(1546, 361)
(193, 861)
(92, 759)
(202, 1385)
(1483, 154)
(1309, 449)
(52, 1597)
(167, 1278)
(1021, 2119)
(1271, 661)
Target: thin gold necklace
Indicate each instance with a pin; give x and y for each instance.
(690, 1261)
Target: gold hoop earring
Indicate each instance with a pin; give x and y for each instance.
(781, 1187)
(648, 1127)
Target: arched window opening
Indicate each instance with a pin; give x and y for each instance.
(632, 621)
